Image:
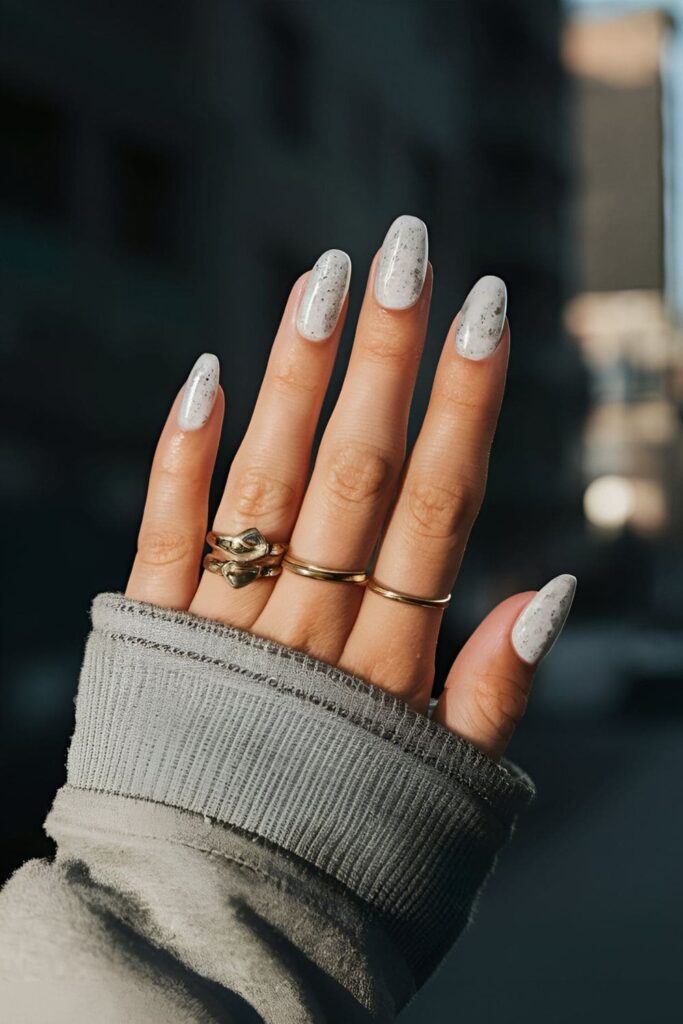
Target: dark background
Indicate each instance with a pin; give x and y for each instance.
(169, 170)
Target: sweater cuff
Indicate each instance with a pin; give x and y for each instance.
(187, 712)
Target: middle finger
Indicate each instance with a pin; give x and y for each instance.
(361, 453)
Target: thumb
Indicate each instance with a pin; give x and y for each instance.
(488, 687)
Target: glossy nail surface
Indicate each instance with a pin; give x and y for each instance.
(200, 393)
(482, 317)
(324, 297)
(541, 622)
(402, 264)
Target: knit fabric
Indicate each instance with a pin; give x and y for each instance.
(187, 712)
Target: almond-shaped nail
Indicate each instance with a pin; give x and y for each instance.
(324, 296)
(402, 264)
(541, 622)
(200, 392)
(482, 317)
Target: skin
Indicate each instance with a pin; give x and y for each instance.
(362, 483)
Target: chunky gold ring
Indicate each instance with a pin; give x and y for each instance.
(316, 572)
(248, 546)
(239, 574)
(396, 595)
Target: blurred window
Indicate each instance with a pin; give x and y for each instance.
(149, 210)
(615, 67)
(288, 62)
(366, 135)
(426, 167)
(33, 169)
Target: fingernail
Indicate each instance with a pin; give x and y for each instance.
(541, 622)
(200, 393)
(481, 320)
(402, 264)
(324, 297)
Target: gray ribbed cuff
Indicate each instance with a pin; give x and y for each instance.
(187, 712)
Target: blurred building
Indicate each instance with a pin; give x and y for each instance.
(626, 71)
(172, 168)
(624, 315)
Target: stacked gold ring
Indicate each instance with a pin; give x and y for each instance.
(250, 556)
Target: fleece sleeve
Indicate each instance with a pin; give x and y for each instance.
(246, 834)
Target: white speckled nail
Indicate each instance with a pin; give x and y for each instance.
(541, 622)
(481, 320)
(200, 393)
(324, 297)
(402, 264)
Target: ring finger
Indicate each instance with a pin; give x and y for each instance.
(439, 498)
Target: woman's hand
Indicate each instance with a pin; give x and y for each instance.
(361, 486)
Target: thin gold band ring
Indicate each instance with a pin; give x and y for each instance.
(396, 595)
(317, 572)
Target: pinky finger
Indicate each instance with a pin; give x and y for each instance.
(488, 687)
(174, 521)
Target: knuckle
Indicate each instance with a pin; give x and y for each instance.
(356, 474)
(173, 471)
(383, 343)
(158, 547)
(261, 494)
(475, 410)
(499, 702)
(440, 512)
(290, 380)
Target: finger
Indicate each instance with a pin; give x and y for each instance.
(268, 475)
(440, 495)
(171, 536)
(362, 451)
(488, 686)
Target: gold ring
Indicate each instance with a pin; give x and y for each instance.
(396, 595)
(316, 572)
(248, 546)
(239, 574)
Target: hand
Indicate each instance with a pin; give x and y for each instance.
(361, 487)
